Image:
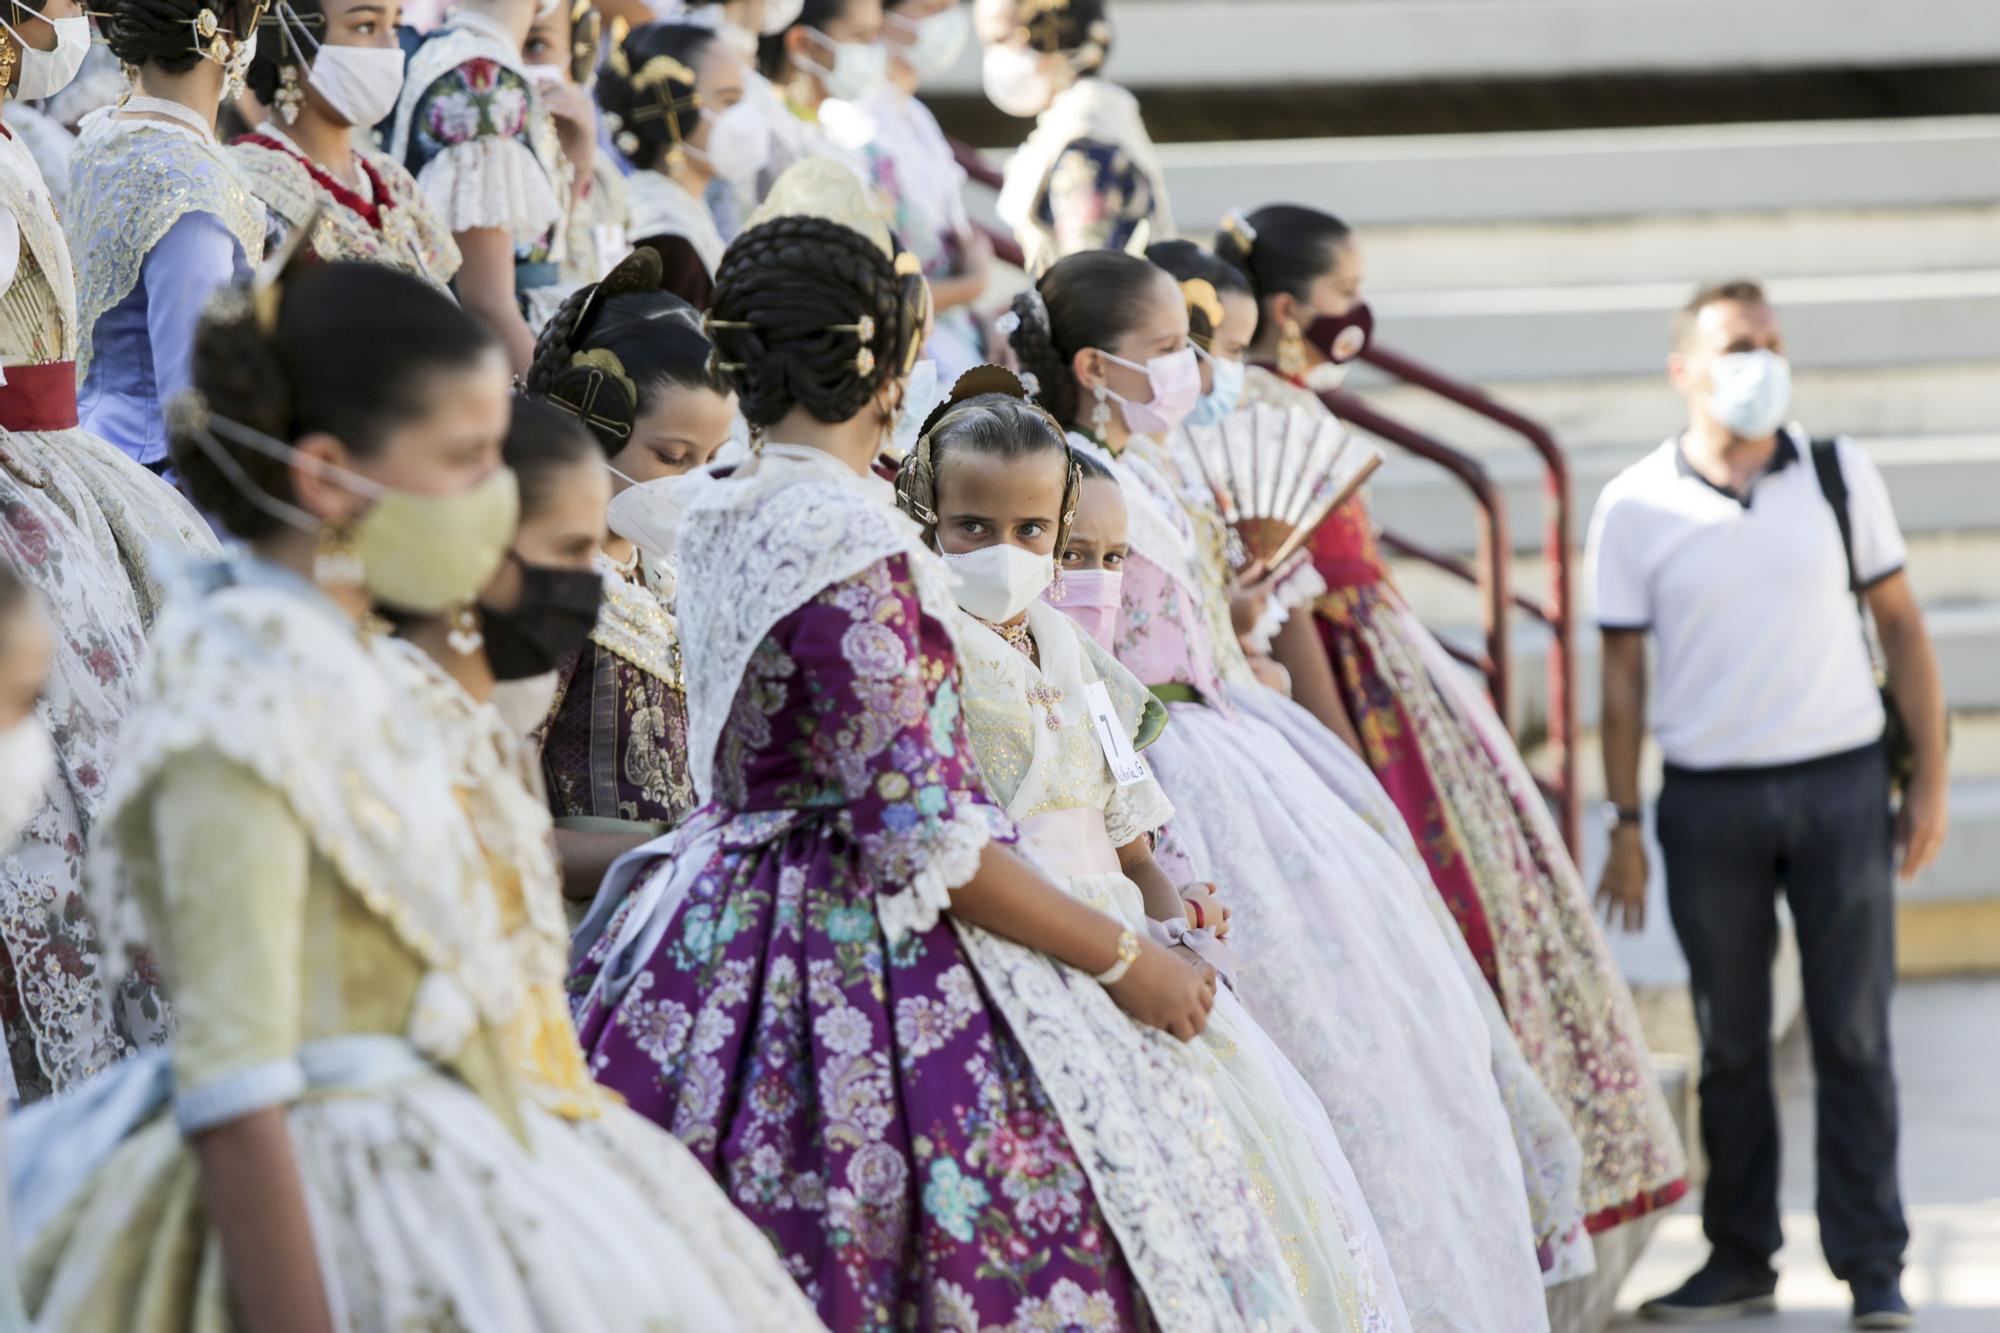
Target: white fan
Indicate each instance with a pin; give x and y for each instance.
(1276, 473)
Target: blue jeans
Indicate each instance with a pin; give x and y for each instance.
(1820, 831)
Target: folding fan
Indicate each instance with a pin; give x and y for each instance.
(1276, 473)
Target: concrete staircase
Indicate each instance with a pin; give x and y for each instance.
(1545, 266)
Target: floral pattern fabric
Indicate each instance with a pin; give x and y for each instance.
(858, 1100)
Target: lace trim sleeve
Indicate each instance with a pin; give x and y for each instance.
(491, 182)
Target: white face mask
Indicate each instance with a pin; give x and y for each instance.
(361, 83)
(781, 14)
(997, 583)
(936, 42)
(46, 73)
(27, 763)
(647, 514)
(524, 704)
(1014, 81)
(858, 71)
(739, 142)
(1751, 392)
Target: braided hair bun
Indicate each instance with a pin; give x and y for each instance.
(810, 313)
(647, 89)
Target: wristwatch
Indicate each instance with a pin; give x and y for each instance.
(1617, 816)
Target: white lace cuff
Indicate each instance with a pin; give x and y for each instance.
(1134, 811)
(492, 182)
(949, 853)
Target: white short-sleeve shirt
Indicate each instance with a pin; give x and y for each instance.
(1762, 659)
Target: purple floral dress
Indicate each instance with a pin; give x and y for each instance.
(863, 1102)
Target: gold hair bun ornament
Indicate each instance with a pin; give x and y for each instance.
(660, 69)
(1199, 294)
(1238, 227)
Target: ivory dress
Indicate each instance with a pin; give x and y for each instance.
(78, 520)
(1038, 752)
(1347, 970)
(1498, 862)
(290, 821)
(385, 220)
(935, 1125)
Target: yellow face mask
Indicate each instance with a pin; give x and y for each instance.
(424, 554)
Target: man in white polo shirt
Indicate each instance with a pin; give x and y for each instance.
(1726, 545)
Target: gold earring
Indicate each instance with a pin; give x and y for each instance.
(465, 638)
(10, 62)
(1291, 351)
(290, 96)
(336, 559)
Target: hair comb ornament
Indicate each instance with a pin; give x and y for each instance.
(1199, 294)
(1239, 228)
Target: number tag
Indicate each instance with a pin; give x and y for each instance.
(1126, 765)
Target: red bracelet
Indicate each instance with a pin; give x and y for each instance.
(1200, 917)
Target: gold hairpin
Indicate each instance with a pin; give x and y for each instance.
(660, 69)
(1199, 294)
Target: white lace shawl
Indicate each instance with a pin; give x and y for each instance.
(660, 207)
(759, 544)
(290, 692)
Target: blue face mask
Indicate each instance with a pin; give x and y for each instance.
(1224, 398)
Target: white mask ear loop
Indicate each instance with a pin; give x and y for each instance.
(202, 431)
(294, 28)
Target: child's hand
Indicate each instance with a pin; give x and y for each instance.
(1204, 909)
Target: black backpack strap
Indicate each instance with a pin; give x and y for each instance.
(1826, 465)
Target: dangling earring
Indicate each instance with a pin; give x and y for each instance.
(1056, 584)
(465, 638)
(1100, 416)
(10, 61)
(336, 559)
(1291, 351)
(290, 96)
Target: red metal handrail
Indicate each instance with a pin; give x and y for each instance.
(1557, 612)
(1496, 551)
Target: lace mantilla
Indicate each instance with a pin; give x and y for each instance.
(755, 548)
(410, 237)
(660, 207)
(1159, 527)
(290, 692)
(132, 180)
(26, 201)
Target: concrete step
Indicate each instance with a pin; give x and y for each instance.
(1870, 320)
(1944, 568)
(1642, 409)
(1684, 249)
(1259, 43)
(1939, 484)
(1584, 175)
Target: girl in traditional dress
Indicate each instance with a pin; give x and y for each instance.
(815, 981)
(1455, 774)
(79, 520)
(478, 134)
(158, 217)
(562, 52)
(537, 610)
(992, 483)
(677, 95)
(353, 1139)
(326, 68)
(912, 168)
(1353, 977)
(827, 59)
(630, 362)
(1087, 178)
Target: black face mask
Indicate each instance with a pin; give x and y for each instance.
(557, 611)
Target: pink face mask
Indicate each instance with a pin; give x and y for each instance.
(1090, 598)
(1175, 379)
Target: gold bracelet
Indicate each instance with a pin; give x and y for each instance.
(1128, 954)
